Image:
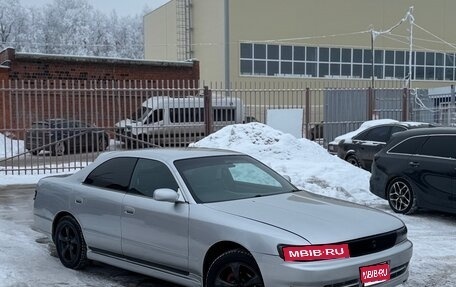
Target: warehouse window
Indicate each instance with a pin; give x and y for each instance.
(275, 60)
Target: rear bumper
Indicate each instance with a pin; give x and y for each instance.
(340, 272)
(378, 182)
(333, 148)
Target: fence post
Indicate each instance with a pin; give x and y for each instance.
(405, 93)
(307, 115)
(370, 103)
(208, 120)
(452, 108)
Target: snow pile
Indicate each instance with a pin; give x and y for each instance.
(309, 165)
(10, 147)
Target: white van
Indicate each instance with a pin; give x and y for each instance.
(168, 121)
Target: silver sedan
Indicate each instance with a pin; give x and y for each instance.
(201, 217)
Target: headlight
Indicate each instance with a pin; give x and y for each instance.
(401, 234)
(292, 253)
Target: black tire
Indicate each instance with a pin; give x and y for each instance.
(143, 141)
(59, 149)
(352, 159)
(401, 197)
(102, 143)
(70, 243)
(234, 268)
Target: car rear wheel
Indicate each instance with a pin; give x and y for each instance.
(59, 148)
(234, 268)
(401, 197)
(70, 243)
(353, 160)
(102, 143)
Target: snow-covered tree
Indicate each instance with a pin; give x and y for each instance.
(12, 23)
(71, 27)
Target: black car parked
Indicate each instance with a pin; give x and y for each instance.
(417, 169)
(361, 148)
(61, 136)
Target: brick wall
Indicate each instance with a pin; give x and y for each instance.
(25, 66)
(97, 90)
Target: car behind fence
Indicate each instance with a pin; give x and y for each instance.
(110, 115)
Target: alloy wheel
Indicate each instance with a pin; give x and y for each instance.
(69, 244)
(59, 148)
(400, 197)
(238, 274)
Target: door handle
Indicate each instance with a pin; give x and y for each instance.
(414, 164)
(129, 210)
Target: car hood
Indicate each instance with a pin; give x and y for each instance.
(127, 123)
(317, 219)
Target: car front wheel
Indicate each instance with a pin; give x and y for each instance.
(234, 268)
(401, 197)
(70, 244)
(353, 160)
(102, 143)
(59, 148)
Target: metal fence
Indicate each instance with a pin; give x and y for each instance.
(60, 126)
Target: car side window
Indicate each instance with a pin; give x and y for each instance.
(155, 117)
(113, 174)
(377, 134)
(409, 146)
(150, 175)
(440, 146)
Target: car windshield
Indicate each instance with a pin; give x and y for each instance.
(223, 178)
(140, 114)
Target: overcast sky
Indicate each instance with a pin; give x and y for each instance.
(122, 7)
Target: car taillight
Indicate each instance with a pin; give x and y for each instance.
(313, 252)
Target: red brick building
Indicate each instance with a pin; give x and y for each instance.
(100, 90)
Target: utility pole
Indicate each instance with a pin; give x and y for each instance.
(227, 45)
(411, 19)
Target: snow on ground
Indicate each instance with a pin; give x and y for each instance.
(26, 263)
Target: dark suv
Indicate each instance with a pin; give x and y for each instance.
(360, 149)
(417, 169)
(61, 136)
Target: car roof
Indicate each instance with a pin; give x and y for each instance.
(425, 131)
(372, 124)
(169, 154)
(409, 125)
(56, 121)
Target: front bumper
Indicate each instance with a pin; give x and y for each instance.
(338, 272)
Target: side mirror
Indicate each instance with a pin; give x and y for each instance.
(166, 194)
(287, 177)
